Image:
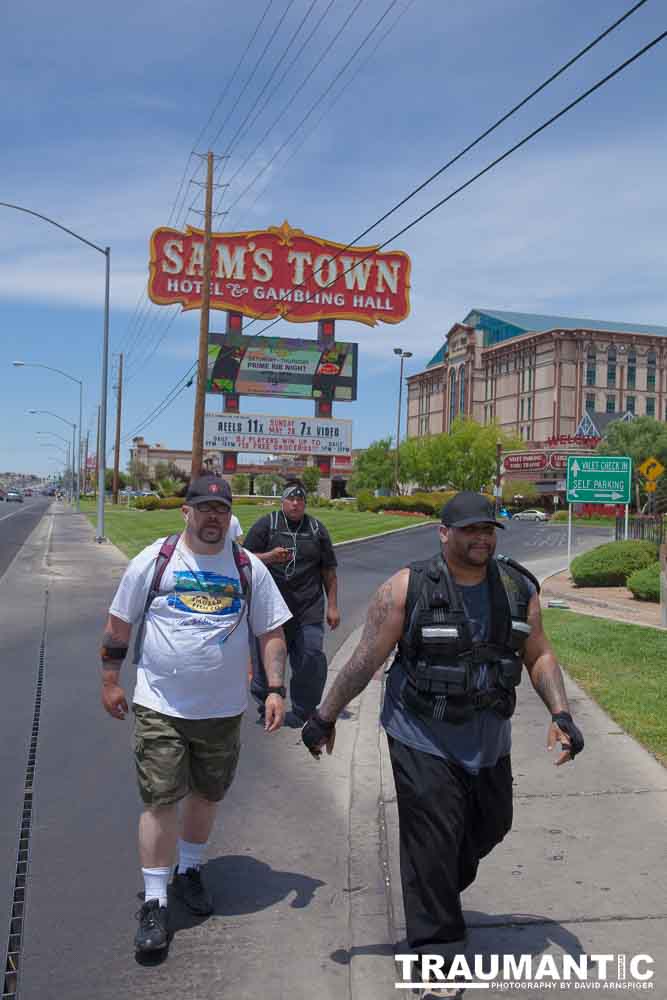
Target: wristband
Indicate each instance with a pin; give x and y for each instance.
(277, 689)
(113, 652)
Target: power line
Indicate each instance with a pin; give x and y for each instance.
(167, 400)
(319, 100)
(143, 301)
(499, 159)
(296, 148)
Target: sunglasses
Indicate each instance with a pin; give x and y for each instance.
(211, 508)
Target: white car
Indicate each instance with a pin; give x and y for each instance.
(530, 515)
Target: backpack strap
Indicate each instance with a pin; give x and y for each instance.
(167, 550)
(244, 568)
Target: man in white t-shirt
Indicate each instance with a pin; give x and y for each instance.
(192, 653)
(235, 531)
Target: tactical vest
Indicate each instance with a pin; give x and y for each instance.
(437, 651)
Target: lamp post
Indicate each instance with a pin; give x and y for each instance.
(72, 378)
(399, 352)
(105, 358)
(70, 424)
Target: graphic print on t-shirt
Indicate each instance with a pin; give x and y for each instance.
(205, 593)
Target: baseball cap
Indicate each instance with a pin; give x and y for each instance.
(208, 488)
(466, 508)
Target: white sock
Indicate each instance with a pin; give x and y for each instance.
(155, 883)
(189, 855)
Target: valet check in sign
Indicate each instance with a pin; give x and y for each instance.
(599, 479)
(261, 432)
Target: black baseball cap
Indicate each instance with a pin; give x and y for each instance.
(208, 488)
(466, 508)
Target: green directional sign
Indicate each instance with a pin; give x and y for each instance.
(598, 478)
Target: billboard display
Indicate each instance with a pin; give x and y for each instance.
(275, 435)
(280, 366)
(280, 272)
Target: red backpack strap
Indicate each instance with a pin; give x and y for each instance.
(244, 568)
(162, 561)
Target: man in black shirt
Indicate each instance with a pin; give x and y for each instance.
(298, 552)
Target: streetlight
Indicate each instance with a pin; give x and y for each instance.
(72, 378)
(73, 426)
(399, 352)
(105, 359)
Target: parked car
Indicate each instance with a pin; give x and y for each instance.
(15, 496)
(531, 515)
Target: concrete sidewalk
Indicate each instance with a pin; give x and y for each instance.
(615, 603)
(582, 872)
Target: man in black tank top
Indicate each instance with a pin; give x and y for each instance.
(297, 550)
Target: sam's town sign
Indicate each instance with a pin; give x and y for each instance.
(283, 272)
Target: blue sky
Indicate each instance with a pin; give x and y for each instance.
(102, 108)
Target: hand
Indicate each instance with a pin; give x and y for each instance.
(317, 734)
(563, 730)
(278, 555)
(274, 713)
(114, 701)
(333, 617)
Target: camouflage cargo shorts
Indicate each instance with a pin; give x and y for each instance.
(176, 756)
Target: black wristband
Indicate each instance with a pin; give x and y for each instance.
(113, 652)
(277, 689)
(567, 725)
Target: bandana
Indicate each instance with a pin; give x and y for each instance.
(294, 492)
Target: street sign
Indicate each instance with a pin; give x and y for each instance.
(599, 478)
(650, 487)
(651, 469)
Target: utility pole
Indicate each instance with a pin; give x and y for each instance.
(116, 457)
(97, 453)
(402, 355)
(202, 364)
(85, 465)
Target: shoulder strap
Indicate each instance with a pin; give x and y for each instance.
(244, 567)
(314, 526)
(518, 568)
(162, 561)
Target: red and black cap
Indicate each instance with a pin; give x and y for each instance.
(467, 508)
(207, 489)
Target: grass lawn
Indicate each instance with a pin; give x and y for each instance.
(131, 530)
(623, 667)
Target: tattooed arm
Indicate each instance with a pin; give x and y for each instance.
(382, 630)
(541, 663)
(330, 582)
(273, 654)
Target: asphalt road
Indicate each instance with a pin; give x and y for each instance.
(278, 858)
(17, 520)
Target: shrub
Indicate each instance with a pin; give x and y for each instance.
(240, 483)
(645, 583)
(170, 503)
(364, 498)
(610, 565)
(147, 503)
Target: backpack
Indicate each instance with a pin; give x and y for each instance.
(167, 549)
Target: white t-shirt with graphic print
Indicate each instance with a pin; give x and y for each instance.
(194, 660)
(234, 530)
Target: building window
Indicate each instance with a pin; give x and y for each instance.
(522, 408)
(530, 379)
(650, 372)
(462, 390)
(630, 404)
(590, 402)
(452, 397)
(632, 370)
(611, 404)
(590, 366)
(530, 407)
(650, 406)
(611, 367)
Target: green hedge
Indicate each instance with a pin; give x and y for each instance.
(645, 583)
(610, 565)
(158, 503)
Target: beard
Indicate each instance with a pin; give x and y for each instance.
(478, 555)
(211, 534)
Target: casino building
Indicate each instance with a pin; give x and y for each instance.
(555, 381)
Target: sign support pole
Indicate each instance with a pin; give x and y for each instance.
(202, 363)
(324, 407)
(569, 535)
(627, 508)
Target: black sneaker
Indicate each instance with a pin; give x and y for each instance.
(153, 934)
(190, 888)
